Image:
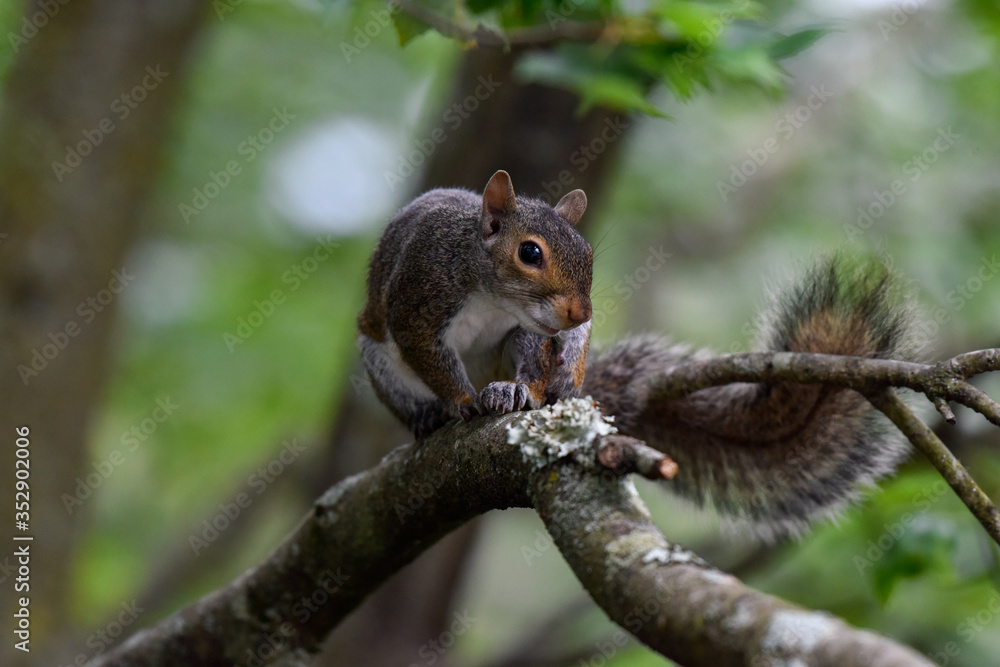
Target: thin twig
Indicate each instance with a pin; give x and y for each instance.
(945, 410)
(945, 380)
(977, 400)
(941, 458)
(971, 363)
(540, 35)
(941, 382)
(623, 454)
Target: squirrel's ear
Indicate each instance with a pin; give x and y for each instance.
(498, 200)
(572, 206)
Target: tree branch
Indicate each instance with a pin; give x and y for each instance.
(945, 380)
(370, 525)
(536, 36)
(940, 382)
(672, 600)
(941, 458)
(360, 532)
(623, 454)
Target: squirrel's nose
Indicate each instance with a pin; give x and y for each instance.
(579, 311)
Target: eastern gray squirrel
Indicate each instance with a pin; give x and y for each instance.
(477, 304)
(481, 303)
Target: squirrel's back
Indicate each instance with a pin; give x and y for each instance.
(433, 223)
(466, 297)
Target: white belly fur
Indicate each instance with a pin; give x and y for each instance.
(476, 334)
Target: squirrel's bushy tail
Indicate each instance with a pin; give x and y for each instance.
(780, 455)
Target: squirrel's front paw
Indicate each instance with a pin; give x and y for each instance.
(504, 397)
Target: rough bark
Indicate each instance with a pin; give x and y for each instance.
(366, 527)
(671, 600)
(565, 462)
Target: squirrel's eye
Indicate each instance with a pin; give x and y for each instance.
(530, 253)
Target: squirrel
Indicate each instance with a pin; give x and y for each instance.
(477, 304)
(482, 304)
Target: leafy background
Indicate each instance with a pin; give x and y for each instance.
(898, 74)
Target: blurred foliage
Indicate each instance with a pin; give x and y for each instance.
(739, 188)
(627, 47)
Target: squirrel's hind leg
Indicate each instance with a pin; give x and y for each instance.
(400, 389)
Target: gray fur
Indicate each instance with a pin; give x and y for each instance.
(776, 457)
(444, 331)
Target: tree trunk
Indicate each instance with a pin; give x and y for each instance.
(84, 120)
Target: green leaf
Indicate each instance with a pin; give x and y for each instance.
(790, 45)
(408, 28)
(911, 547)
(750, 65)
(703, 23)
(690, 19)
(596, 82)
(684, 76)
(480, 6)
(528, 10)
(617, 92)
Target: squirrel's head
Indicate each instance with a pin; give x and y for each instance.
(543, 265)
